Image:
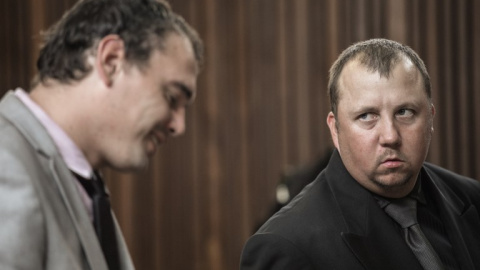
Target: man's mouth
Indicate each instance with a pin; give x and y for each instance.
(156, 138)
(391, 162)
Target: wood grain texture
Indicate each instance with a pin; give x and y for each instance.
(261, 110)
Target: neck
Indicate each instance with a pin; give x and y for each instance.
(73, 109)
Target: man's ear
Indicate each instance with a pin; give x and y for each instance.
(432, 108)
(332, 124)
(110, 57)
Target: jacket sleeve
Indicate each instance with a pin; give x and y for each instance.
(270, 251)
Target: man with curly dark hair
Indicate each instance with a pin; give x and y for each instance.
(114, 79)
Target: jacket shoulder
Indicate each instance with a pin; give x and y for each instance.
(309, 208)
(466, 188)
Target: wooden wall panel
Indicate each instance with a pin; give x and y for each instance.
(474, 89)
(15, 36)
(261, 110)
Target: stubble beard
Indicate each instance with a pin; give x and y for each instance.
(392, 180)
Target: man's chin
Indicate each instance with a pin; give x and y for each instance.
(139, 164)
(393, 180)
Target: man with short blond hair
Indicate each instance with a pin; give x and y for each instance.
(378, 204)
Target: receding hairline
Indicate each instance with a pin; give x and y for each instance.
(358, 60)
(389, 53)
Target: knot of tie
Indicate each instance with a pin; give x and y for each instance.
(403, 211)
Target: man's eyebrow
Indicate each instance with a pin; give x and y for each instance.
(409, 104)
(363, 109)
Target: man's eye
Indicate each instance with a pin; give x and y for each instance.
(366, 117)
(171, 99)
(405, 113)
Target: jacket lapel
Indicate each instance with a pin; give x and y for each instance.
(459, 220)
(16, 112)
(370, 234)
(380, 246)
(84, 227)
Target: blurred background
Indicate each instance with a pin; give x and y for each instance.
(261, 108)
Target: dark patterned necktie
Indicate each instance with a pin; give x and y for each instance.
(102, 219)
(404, 212)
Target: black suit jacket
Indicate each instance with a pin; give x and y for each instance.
(334, 223)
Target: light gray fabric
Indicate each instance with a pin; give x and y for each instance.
(43, 221)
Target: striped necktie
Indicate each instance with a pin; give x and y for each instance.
(404, 212)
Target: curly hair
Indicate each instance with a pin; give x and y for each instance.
(143, 25)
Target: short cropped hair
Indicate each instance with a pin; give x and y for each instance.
(378, 55)
(143, 25)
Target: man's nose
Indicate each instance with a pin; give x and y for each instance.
(389, 133)
(176, 126)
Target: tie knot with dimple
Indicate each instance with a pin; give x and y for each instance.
(404, 212)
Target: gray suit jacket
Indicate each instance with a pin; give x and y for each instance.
(43, 221)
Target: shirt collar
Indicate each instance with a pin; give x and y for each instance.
(416, 193)
(71, 154)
